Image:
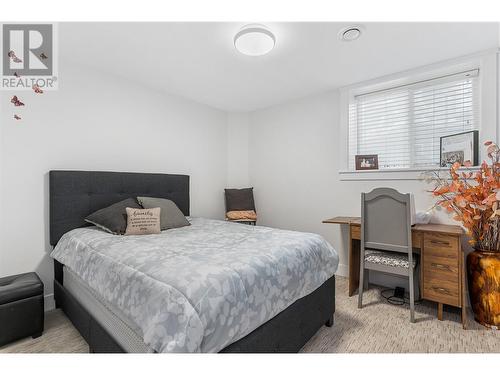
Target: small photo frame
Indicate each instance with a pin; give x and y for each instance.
(459, 148)
(366, 162)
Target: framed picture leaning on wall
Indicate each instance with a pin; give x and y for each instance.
(459, 148)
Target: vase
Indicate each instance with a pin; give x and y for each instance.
(483, 270)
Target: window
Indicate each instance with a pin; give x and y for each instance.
(403, 124)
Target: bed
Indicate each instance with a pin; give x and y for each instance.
(209, 287)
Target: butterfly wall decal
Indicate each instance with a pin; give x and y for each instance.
(17, 117)
(16, 75)
(15, 100)
(37, 89)
(43, 56)
(14, 58)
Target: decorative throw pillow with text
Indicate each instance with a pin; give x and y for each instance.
(143, 221)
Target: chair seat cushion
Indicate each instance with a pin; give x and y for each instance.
(388, 258)
(17, 287)
(242, 215)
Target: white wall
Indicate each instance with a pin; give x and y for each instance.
(97, 122)
(295, 161)
(237, 150)
(293, 165)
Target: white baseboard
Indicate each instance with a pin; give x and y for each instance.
(49, 302)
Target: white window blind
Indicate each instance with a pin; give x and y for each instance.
(403, 125)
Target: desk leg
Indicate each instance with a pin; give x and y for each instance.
(354, 250)
(440, 311)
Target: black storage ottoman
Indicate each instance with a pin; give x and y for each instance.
(21, 307)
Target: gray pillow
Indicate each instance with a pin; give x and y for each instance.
(170, 215)
(113, 219)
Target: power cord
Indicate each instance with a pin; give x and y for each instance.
(393, 300)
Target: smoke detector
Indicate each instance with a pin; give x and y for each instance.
(350, 33)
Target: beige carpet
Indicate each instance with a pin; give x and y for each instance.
(383, 328)
(378, 327)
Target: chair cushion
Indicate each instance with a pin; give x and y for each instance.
(242, 215)
(388, 258)
(17, 287)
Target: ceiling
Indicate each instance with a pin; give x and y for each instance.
(198, 60)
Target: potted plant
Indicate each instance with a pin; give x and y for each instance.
(474, 199)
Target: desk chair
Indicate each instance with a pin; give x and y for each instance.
(386, 238)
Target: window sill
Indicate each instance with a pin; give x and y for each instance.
(393, 174)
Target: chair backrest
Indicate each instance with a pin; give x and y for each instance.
(239, 199)
(386, 220)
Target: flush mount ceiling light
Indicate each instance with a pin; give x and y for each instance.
(351, 33)
(254, 40)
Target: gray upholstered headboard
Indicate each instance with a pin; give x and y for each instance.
(76, 194)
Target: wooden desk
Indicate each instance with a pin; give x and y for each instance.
(442, 262)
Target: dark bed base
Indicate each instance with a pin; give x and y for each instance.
(287, 332)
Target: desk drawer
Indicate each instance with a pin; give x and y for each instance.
(441, 245)
(440, 268)
(442, 291)
(355, 232)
